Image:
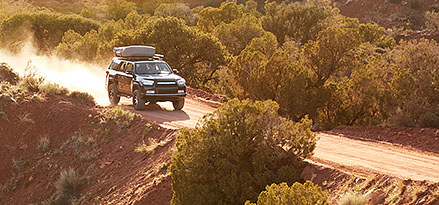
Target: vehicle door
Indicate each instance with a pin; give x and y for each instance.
(120, 77)
(127, 77)
(113, 72)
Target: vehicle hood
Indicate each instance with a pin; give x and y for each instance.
(159, 76)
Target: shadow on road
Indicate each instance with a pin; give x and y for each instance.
(160, 113)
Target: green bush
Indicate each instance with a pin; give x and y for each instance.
(83, 97)
(46, 29)
(299, 194)
(236, 151)
(415, 81)
(53, 89)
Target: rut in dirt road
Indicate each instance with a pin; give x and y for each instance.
(333, 150)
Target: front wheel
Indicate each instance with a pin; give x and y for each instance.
(112, 94)
(138, 101)
(178, 104)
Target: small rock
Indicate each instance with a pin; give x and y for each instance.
(24, 146)
(377, 197)
(31, 178)
(404, 3)
(436, 134)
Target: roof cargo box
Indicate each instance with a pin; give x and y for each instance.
(134, 51)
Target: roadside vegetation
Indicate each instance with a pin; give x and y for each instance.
(304, 55)
(236, 151)
(282, 67)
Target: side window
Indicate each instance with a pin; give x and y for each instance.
(115, 66)
(129, 67)
(122, 67)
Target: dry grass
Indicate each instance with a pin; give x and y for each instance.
(69, 186)
(147, 148)
(353, 199)
(44, 144)
(25, 118)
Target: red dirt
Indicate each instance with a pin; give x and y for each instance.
(426, 139)
(385, 13)
(115, 173)
(205, 97)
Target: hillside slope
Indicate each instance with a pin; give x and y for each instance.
(98, 143)
(388, 13)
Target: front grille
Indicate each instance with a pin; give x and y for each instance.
(167, 91)
(165, 83)
(166, 87)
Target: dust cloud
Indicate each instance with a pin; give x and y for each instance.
(71, 75)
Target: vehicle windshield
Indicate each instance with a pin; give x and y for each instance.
(153, 68)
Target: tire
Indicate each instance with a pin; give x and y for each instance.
(138, 101)
(178, 104)
(112, 95)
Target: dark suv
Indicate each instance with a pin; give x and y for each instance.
(145, 80)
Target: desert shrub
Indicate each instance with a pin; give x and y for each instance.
(375, 35)
(83, 97)
(353, 199)
(8, 75)
(44, 144)
(236, 151)
(298, 193)
(147, 148)
(198, 55)
(430, 119)
(211, 17)
(432, 20)
(414, 81)
(360, 96)
(118, 9)
(53, 89)
(246, 67)
(118, 115)
(296, 21)
(75, 46)
(69, 186)
(31, 83)
(239, 33)
(178, 10)
(45, 28)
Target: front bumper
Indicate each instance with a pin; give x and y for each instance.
(152, 93)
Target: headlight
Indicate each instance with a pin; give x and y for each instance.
(147, 82)
(181, 82)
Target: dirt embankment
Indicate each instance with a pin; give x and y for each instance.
(97, 143)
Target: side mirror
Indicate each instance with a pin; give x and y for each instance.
(129, 72)
(175, 71)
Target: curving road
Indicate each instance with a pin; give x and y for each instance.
(331, 150)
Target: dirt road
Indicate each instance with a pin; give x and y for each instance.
(336, 151)
(164, 114)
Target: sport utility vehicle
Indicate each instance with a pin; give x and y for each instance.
(142, 75)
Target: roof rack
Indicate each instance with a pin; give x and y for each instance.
(143, 58)
(137, 53)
